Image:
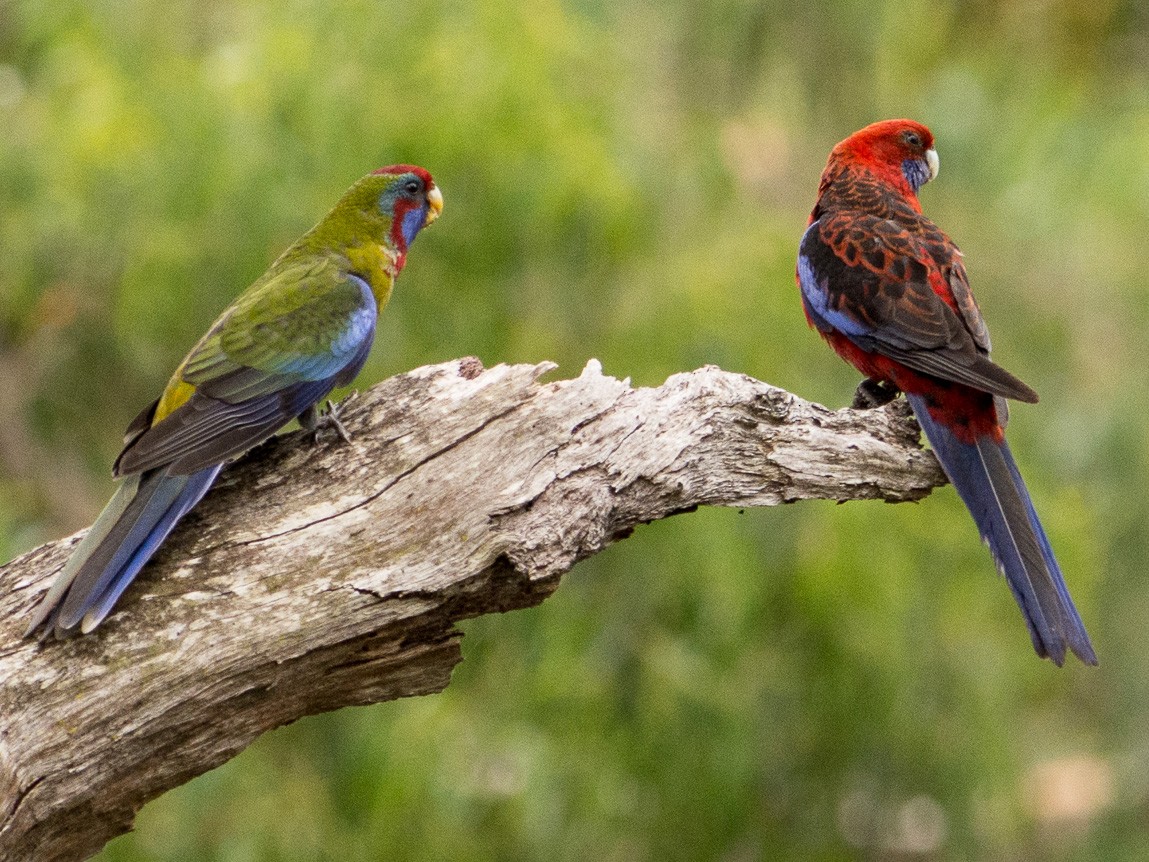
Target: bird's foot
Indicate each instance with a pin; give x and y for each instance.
(873, 393)
(315, 422)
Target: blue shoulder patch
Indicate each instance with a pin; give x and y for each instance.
(816, 294)
(345, 348)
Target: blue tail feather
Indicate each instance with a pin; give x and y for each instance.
(194, 487)
(988, 481)
(125, 536)
(106, 563)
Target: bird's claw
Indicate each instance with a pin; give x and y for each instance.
(331, 420)
(315, 422)
(873, 393)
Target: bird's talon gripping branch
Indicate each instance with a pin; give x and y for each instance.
(315, 423)
(873, 393)
(330, 419)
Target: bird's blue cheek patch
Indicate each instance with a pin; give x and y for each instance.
(917, 173)
(412, 223)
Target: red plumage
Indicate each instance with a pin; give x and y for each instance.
(887, 289)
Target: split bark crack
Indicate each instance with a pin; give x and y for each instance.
(314, 577)
(382, 490)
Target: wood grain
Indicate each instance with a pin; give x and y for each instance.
(317, 576)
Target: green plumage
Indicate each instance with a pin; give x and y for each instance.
(298, 312)
(304, 327)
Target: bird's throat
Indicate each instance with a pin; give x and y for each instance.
(378, 265)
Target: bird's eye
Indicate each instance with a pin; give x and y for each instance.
(913, 139)
(412, 187)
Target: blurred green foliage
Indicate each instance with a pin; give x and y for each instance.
(628, 181)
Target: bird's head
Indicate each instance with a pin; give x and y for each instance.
(386, 208)
(408, 197)
(899, 149)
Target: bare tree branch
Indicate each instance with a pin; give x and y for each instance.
(314, 577)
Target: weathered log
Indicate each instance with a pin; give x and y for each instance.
(317, 576)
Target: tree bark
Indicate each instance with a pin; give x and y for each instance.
(317, 576)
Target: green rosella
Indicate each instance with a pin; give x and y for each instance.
(304, 327)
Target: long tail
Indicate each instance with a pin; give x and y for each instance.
(987, 479)
(132, 526)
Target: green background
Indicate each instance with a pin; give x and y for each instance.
(629, 181)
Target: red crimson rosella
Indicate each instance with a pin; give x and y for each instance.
(887, 290)
(303, 328)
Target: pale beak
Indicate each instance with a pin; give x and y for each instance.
(435, 200)
(933, 162)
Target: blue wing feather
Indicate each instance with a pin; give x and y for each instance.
(894, 311)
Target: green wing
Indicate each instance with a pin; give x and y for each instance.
(288, 341)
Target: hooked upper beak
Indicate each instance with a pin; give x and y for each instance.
(435, 201)
(933, 162)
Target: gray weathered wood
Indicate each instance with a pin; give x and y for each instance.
(314, 577)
